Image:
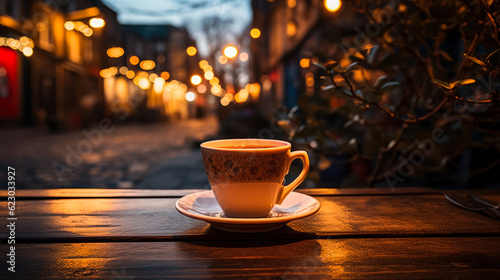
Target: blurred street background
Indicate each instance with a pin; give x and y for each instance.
(119, 94)
(131, 156)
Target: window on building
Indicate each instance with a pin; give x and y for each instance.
(73, 43)
(11, 8)
(45, 32)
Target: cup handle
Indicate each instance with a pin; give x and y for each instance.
(302, 155)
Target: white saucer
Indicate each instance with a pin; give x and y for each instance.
(203, 206)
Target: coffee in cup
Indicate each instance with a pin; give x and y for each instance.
(246, 175)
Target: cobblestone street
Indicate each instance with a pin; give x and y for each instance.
(121, 156)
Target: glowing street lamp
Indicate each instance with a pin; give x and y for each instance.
(305, 62)
(333, 5)
(134, 60)
(147, 64)
(230, 51)
(222, 59)
(191, 51)
(69, 25)
(243, 56)
(209, 75)
(115, 52)
(190, 96)
(255, 33)
(97, 22)
(195, 80)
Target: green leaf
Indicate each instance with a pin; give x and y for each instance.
(379, 81)
(326, 78)
(462, 82)
(391, 145)
(389, 109)
(466, 82)
(359, 93)
(372, 54)
(319, 65)
(390, 85)
(338, 70)
(446, 56)
(345, 91)
(331, 64)
(475, 59)
(349, 123)
(326, 88)
(441, 83)
(361, 61)
(352, 66)
(493, 59)
(293, 111)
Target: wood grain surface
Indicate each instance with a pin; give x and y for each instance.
(136, 234)
(370, 258)
(369, 216)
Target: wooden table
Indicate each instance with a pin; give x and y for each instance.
(407, 233)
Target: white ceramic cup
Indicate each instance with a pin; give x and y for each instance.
(246, 175)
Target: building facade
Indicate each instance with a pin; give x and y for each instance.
(62, 69)
(58, 83)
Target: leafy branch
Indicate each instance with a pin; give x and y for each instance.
(399, 82)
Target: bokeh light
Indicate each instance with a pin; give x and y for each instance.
(190, 96)
(216, 90)
(69, 25)
(159, 81)
(201, 88)
(243, 56)
(222, 59)
(144, 83)
(87, 32)
(291, 28)
(134, 60)
(229, 96)
(224, 101)
(123, 70)
(241, 96)
(208, 68)
(195, 79)
(130, 74)
(115, 52)
(28, 51)
(96, 22)
(209, 75)
(147, 64)
(113, 70)
(203, 64)
(165, 75)
(158, 88)
(255, 33)
(230, 51)
(305, 62)
(153, 77)
(191, 51)
(104, 73)
(214, 81)
(333, 5)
